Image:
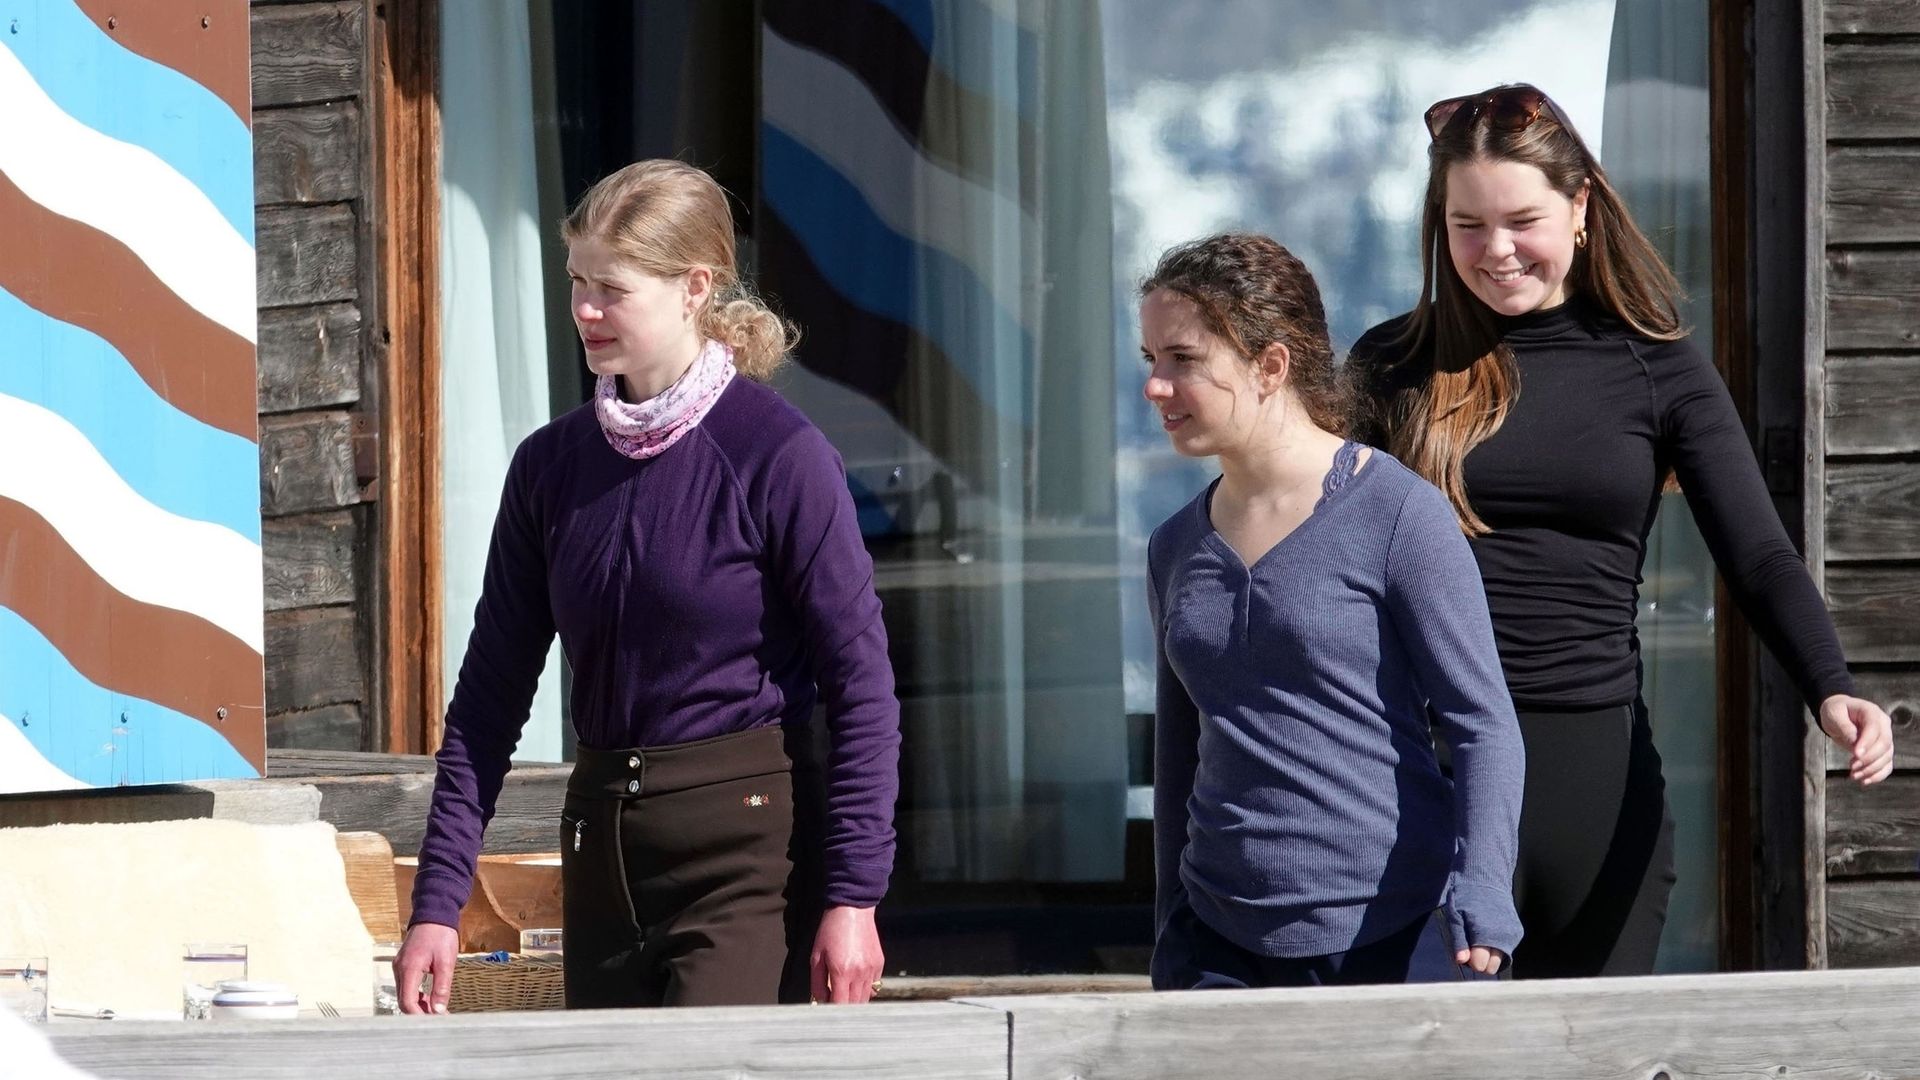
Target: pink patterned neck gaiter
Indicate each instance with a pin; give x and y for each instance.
(650, 427)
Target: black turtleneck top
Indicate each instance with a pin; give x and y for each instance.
(1570, 484)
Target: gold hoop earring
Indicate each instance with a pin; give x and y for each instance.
(1580, 237)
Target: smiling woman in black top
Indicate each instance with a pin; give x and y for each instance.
(1544, 382)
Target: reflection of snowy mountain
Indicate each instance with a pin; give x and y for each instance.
(1303, 122)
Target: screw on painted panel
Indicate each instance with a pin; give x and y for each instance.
(26, 719)
(112, 23)
(220, 713)
(205, 22)
(15, 28)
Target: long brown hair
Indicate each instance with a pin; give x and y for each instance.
(1252, 293)
(1474, 382)
(668, 217)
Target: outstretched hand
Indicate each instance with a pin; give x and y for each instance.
(1865, 730)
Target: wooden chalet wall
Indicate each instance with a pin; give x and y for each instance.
(313, 180)
(1863, 436)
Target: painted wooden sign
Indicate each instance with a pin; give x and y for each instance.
(130, 570)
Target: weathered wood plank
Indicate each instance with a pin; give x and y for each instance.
(233, 800)
(306, 463)
(1872, 404)
(1803, 1024)
(527, 818)
(1877, 611)
(928, 1041)
(1873, 830)
(309, 560)
(1874, 924)
(1872, 16)
(306, 255)
(1870, 297)
(1898, 692)
(305, 53)
(313, 659)
(1871, 91)
(288, 762)
(1873, 510)
(1871, 196)
(309, 357)
(335, 728)
(309, 154)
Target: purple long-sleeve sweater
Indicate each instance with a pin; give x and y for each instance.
(717, 587)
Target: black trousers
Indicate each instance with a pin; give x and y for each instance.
(689, 874)
(1596, 845)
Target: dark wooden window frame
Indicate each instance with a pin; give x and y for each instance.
(405, 72)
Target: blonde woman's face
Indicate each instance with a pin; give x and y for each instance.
(1511, 235)
(631, 323)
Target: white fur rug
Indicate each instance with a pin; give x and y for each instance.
(110, 906)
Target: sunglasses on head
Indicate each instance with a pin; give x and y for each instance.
(1508, 108)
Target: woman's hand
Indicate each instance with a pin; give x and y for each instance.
(1860, 726)
(846, 960)
(1481, 959)
(429, 949)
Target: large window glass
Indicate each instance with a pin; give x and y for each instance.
(954, 199)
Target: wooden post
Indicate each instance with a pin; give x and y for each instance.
(405, 43)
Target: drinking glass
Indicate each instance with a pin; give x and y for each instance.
(206, 966)
(386, 988)
(23, 987)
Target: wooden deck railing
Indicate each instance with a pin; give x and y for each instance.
(1770, 1026)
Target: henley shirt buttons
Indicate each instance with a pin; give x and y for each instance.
(633, 786)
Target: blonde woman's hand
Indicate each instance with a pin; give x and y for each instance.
(1865, 731)
(846, 959)
(429, 949)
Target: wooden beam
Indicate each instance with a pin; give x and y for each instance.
(1730, 70)
(526, 819)
(1872, 402)
(1815, 75)
(1876, 609)
(922, 1041)
(1870, 510)
(405, 70)
(308, 52)
(312, 659)
(306, 255)
(310, 154)
(1873, 830)
(1731, 1027)
(1873, 16)
(309, 560)
(1876, 924)
(306, 463)
(309, 357)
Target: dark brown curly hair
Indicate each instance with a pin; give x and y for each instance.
(1252, 292)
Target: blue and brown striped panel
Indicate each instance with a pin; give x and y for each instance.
(130, 568)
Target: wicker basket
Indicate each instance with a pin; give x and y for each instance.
(522, 983)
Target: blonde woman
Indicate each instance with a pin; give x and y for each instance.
(690, 537)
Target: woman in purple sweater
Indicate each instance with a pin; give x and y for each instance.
(690, 537)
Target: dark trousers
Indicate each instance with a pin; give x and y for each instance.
(1596, 845)
(679, 868)
(1191, 955)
